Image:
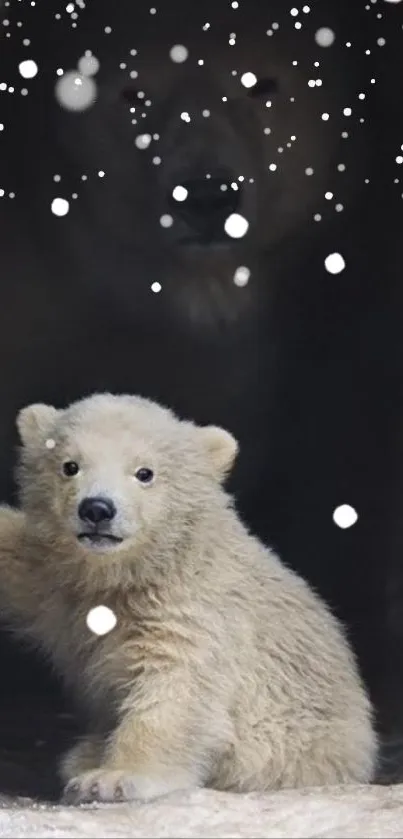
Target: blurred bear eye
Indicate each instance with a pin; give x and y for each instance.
(70, 468)
(263, 87)
(130, 95)
(144, 475)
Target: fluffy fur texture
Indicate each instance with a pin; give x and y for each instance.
(224, 668)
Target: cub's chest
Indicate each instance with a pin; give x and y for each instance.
(92, 657)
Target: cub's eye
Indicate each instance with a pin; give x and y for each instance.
(144, 475)
(70, 468)
(263, 87)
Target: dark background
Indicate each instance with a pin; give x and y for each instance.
(305, 367)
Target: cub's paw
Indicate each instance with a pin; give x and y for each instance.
(117, 785)
(85, 756)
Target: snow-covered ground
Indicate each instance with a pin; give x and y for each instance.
(338, 812)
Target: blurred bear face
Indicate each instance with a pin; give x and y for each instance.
(203, 113)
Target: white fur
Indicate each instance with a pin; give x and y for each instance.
(224, 668)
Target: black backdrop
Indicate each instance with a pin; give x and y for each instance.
(310, 379)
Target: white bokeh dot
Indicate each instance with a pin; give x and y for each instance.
(60, 207)
(345, 516)
(101, 620)
(325, 36)
(75, 92)
(179, 193)
(241, 276)
(334, 263)
(178, 53)
(166, 220)
(156, 287)
(88, 65)
(28, 68)
(143, 141)
(236, 226)
(50, 443)
(248, 79)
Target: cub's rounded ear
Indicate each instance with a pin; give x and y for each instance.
(35, 423)
(221, 448)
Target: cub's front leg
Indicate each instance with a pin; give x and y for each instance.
(84, 756)
(165, 741)
(21, 595)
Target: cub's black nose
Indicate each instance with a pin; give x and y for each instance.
(96, 510)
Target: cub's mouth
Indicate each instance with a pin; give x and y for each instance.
(103, 541)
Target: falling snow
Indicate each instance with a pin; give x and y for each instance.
(236, 226)
(345, 516)
(180, 193)
(143, 141)
(334, 263)
(101, 620)
(88, 65)
(248, 79)
(325, 37)
(75, 92)
(179, 53)
(166, 220)
(241, 276)
(60, 207)
(28, 68)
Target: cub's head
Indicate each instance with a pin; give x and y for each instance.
(110, 473)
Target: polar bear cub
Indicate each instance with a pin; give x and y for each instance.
(224, 668)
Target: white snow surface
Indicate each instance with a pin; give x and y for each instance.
(339, 812)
